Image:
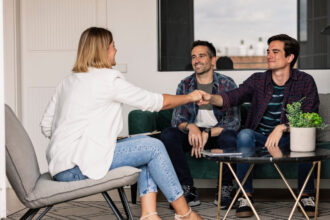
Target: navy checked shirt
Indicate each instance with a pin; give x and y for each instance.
(187, 113)
(258, 90)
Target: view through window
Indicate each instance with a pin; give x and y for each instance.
(239, 29)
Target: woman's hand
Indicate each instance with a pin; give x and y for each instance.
(206, 98)
(195, 95)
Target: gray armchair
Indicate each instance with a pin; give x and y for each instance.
(36, 190)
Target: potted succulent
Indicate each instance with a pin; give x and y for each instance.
(302, 127)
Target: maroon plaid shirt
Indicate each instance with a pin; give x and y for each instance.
(258, 90)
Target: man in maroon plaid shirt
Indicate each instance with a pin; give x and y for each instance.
(266, 129)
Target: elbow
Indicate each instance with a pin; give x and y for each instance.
(166, 103)
(165, 106)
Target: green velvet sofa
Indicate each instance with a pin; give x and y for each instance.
(144, 121)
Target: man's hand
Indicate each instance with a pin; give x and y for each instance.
(273, 140)
(206, 98)
(205, 137)
(195, 139)
(210, 99)
(197, 151)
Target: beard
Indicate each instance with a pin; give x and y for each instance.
(202, 71)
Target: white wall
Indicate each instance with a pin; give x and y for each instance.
(2, 121)
(12, 55)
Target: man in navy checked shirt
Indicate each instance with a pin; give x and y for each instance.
(207, 127)
(266, 129)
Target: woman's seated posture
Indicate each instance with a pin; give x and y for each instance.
(84, 118)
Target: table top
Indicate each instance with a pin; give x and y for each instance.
(291, 157)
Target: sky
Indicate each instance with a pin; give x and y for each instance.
(226, 22)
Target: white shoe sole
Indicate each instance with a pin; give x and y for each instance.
(194, 203)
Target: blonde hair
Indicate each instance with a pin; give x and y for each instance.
(93, 49)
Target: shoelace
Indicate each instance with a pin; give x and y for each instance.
(309, 201)
(187, 191)
(243, 202)
(226, 190)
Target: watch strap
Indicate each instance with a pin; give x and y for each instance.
(208, 131)
(186, 127)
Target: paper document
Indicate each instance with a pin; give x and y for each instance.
(210, 154)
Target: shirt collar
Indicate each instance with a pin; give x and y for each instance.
(193, 81)
(293, 75)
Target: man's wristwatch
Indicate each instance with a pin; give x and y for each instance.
(186, 127)
(208, 131)
(287, 127)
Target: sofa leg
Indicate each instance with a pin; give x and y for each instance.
(133, 193)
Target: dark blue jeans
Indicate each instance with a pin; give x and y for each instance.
(252, 143)
(176, 143)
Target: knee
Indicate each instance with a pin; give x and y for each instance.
(227, 139)
(245, 135)
(169, 133)
(230, 137)
(246, 141)
(169, 136)
(156, 145)
(155, 142)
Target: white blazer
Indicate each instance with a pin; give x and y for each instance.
(84, 118)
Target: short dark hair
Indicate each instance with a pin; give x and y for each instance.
(210, 48)
(224, 63)
(291, 46)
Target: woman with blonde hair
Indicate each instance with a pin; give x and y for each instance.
(84, 118)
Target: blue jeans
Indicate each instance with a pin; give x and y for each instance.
(252, 143)
(147, 154)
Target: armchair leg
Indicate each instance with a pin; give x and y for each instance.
(29, 214)
(133, 193)
(114, 207)
(124, 201)
(44, 212)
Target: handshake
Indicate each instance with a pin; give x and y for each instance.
(200, 97)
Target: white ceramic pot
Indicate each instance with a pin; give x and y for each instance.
(302, 139)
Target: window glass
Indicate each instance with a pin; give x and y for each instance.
(303, 20)
(239, 29)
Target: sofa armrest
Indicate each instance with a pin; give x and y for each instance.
(141, 121)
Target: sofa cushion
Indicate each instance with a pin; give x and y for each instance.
(324, 111)
(47, 191)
